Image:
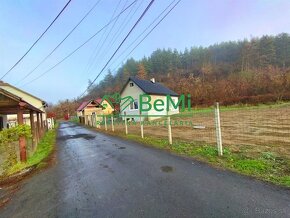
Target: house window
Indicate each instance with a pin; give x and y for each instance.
(134, 105)
(131, 84)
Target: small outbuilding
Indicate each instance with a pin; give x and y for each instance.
(88, 111)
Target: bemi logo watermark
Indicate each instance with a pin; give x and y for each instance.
(146, 103)
(116, 99)
(151, 123)
(159, 104)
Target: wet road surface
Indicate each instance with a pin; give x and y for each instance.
(102, 176)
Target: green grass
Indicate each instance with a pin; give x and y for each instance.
(74, 119)
(44, 149)
(233, 108)
(266, 166)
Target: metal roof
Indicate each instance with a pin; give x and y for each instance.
(86, 103)
(153, 88)
(2, 83)
(83, 105)
(20, 102)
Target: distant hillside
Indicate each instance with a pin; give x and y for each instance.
(248, 71)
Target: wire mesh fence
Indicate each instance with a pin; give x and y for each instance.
(257, 129)
(253, 129)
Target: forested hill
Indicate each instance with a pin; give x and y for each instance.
(256, 70)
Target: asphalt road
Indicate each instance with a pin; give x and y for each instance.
(102, 176)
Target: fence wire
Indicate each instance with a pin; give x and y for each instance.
(257, 129)
(252, 129)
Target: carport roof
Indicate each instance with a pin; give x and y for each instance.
(2, 83)
(15, 103)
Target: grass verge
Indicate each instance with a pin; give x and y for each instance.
(236, 107)
(266, 166)
(44, 149)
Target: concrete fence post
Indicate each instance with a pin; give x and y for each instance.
(141, 126)
(97, 122)
(112, 120)
(92, 121)
(169, 130)
(86, 119)
(106, 128)
(218, 130)
(126, 127)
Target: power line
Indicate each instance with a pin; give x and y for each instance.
(44, 59)
(122, 28)
(155, 26)
(144, 32)
(140, 18)
(102, 45)
(84, 43)
(36, 41)
(98, 48)
(152, 29)
(148, 32)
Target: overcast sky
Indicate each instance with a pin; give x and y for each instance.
(191, 23)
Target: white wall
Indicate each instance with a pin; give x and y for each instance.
(12, 118)
(135, 92)
(153, 114)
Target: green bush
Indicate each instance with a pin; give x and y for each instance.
(10, 135)
(8, 141)
(44, 148)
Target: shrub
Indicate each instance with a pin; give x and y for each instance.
(13, 134)
(8, 137)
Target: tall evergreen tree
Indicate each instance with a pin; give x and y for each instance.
(142, 74)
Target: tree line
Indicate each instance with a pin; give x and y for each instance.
(255, 70)
(247, 71)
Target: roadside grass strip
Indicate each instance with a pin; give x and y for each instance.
(44, 149)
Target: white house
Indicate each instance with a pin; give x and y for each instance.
(130, 100)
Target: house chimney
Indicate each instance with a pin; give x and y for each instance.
(152, 80)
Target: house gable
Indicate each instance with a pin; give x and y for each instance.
(149, 87)
(136, 87)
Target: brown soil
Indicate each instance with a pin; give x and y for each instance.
(261, 129)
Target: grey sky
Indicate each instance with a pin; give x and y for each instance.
(192, 23)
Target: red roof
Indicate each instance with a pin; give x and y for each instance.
(99, 100)
(83, 105)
